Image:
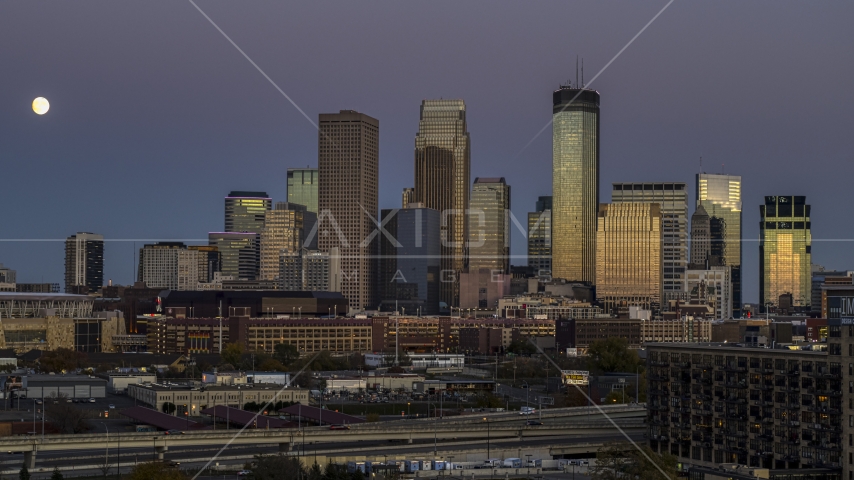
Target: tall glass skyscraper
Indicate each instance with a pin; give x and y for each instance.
(239, 253)
(720, 196)
(540, 238)
(575, 183)
(785, 251)
(489, 225)
(245, 211)
(442, 179)
(302, 187)
(673, 199)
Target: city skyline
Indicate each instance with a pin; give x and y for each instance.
(646, 132)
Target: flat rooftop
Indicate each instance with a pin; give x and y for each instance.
(160, 387)
(733, 347)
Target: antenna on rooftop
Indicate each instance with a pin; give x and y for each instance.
(576, 71)
(701, 164)
(582, 73)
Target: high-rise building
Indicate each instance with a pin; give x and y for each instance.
(628, 256)
(210, 261)
(310, 270)
(442, 179)
(302, 187)
(7, 275)
(245, 211)
(712, 285)
(239, 253)
(575, 182)
(673, 199)
(720, 196)
(701, 246)
(169, 265)
(410, 261)
(284, 232)
(540, 238)
(348, 171)
(785, 251)
(407, 197)
(84, 263)
(489, 225)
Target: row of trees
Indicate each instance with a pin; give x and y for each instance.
(621, 461)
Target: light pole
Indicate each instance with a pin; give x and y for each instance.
(527, 388)
(436, 419)
(408, 410)
(107, 451)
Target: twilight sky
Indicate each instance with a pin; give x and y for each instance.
(155, 116)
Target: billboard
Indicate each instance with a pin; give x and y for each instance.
(575, 377)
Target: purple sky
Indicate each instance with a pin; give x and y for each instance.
(155, 116)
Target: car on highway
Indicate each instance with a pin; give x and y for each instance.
(112, 406)
(173, 432)
(527, 410)
(533, 423)
(244, 473)
(38, 402)
(91, 400)
(339, 427)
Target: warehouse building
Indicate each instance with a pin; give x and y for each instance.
(67, 386)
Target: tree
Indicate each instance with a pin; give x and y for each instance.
(521, 347)
(62, 360)
(621, 461)
(156, 470)
(618, 396)
(372, 417)
(24, 474)
(612, 355)
(169, 408)
(272, 365)
(65, 417)
(333, 471)
(57, 475)
(488, 400)
(232, 353)
(315, 473)
(277, 467)
(286, 353)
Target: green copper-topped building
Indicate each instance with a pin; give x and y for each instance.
(575, 183)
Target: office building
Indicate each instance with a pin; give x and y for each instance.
(169, 265)
(238, 252)
(628, 256)
(310, 270)
(540, 238)
(410, 261)
(483, 288)
(284, 232)
(712, 285)
(579, 333)
(250, 303)
(348, 161)
(489, 225)
(210, 261)
(777, 409)
(785, 251)
(684, 329)
(245, 211)
(701, 246)
(720, 196)
(303, 187)
(673, 199)
(822, 277)
(7, 275)
(407, 197)
(575, 182)
(84, 263)
(442, 179)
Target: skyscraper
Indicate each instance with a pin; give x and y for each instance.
(310, 270)
(244, 211)
(575, 182)
(673, 199)
(701, 247)
(284, 232)
(302, 187)
(407, 197)
(540, 237)
(84, 263)
(209, 261)
(442, 179)
(239, 253)
(628, 255)
(169, 265)
(348, 171)
(489, 225)
(720, 196)
(785, 251)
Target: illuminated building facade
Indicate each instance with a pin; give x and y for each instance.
(348, 168)
(785, 251)
(284, 232)
(239, 253)
(673, 199)
(169, 265)
(442, 179)
(575, 183)
(489, 225)
(302, 187)
(628, 255)
(245, 211)
(720, 196)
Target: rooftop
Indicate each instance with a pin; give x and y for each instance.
(44, 296)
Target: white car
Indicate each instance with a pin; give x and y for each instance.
(112, 406)
(91, 400)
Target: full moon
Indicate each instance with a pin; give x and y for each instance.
(41, 105)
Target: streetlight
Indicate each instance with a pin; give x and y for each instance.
(408, 410)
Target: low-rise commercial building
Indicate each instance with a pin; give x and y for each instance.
(63, 386)
(580, 333)
(194, 399)
(119, 382)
